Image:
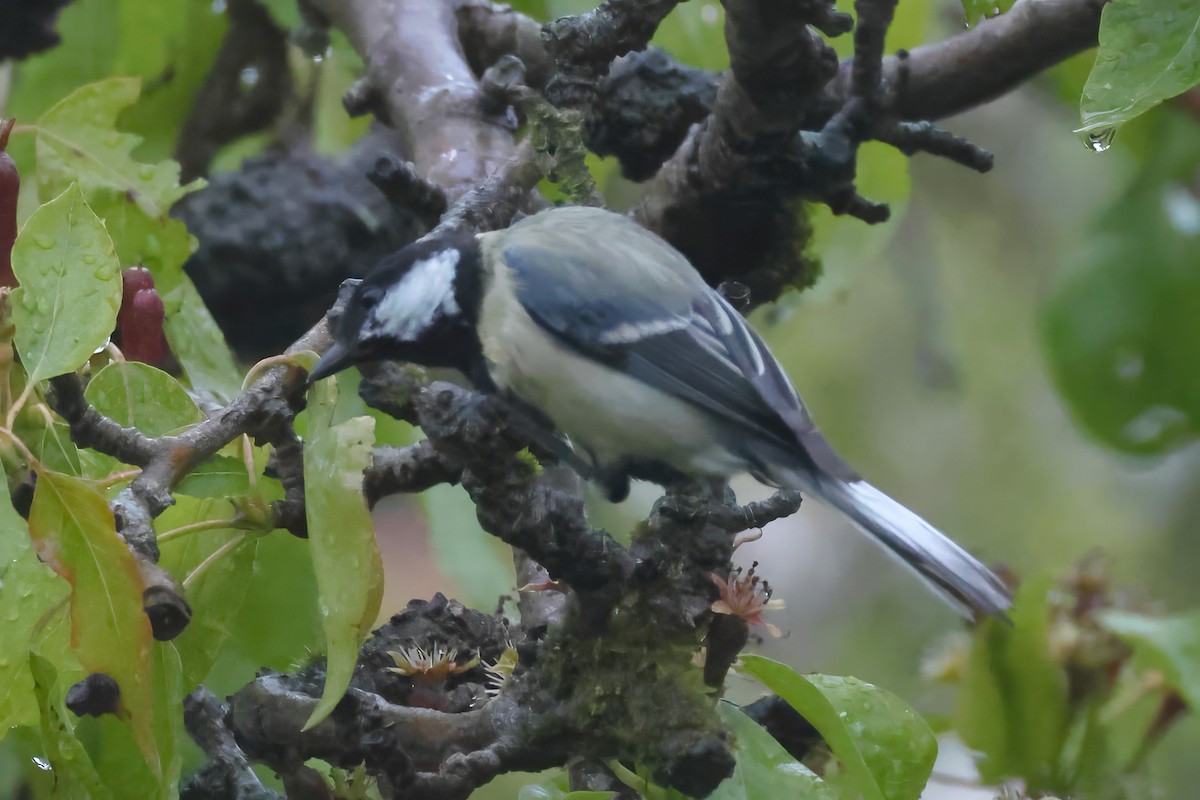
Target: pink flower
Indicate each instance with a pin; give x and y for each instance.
(745, 596)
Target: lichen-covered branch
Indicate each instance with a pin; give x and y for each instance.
(406, 469)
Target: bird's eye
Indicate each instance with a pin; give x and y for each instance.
(370, 298)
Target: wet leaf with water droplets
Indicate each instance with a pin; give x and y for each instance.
(348, 566)
(886, 747)
(76, 142)
(64, 753)
(140, 396)
(53, 336)
(764, 769)
(1149, 52)
(1121, 333)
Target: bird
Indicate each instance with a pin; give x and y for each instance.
(606, 334)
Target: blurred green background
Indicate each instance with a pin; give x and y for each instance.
(1014, 355)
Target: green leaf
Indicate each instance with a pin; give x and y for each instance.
(976, 10)
(74, 532)
(28, 589)
(765, 771)
(345, 555)
(479, 564)
(218, 477)
(65, 262)
(216, 595)
(140, 396)
(1120, 333)
(1149, 52)
(172, 47)
(77, 141)
(887, 748)
(1170, 645)
(1012, 702)
(160, 244)
(168, 689)
(77, 776)
(199, 344)
(52, 445)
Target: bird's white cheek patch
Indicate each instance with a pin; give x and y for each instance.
(410, 306)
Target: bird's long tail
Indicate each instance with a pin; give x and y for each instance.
(953, 573)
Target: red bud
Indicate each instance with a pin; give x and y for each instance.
(133, 280)
(140, 324)
(10, 186)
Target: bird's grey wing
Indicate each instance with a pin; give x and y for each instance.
(665, 327)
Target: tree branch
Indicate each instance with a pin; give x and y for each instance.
(424, 86)
(979, 65)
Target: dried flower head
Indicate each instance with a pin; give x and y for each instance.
(500, 671)
(435, 664)
(746, 596)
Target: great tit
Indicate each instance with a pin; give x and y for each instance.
(607, 332)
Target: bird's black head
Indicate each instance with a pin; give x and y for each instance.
(419, 304)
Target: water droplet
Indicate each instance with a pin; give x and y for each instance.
(1128, 364)
(1155, 424)
(111, 139)
(146, 171)
(218, 6)
(1099, 140)
(89, 259)
(44, 305)
(42, 764)
(1183, 209)
(104, 272)
(709, 13)
(43, 241)
(249, 76)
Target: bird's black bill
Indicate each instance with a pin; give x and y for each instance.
(336, 359)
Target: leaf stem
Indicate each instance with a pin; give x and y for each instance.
(216, 556)
(33, 463)
(196, 527)
(18, 404)
(117, 477)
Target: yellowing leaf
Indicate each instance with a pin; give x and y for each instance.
(27, 590)
(74, 532)
(77, 141)
(348, 567)
(66, 263)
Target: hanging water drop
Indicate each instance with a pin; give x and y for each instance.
(249, 76)
(1099, 140)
